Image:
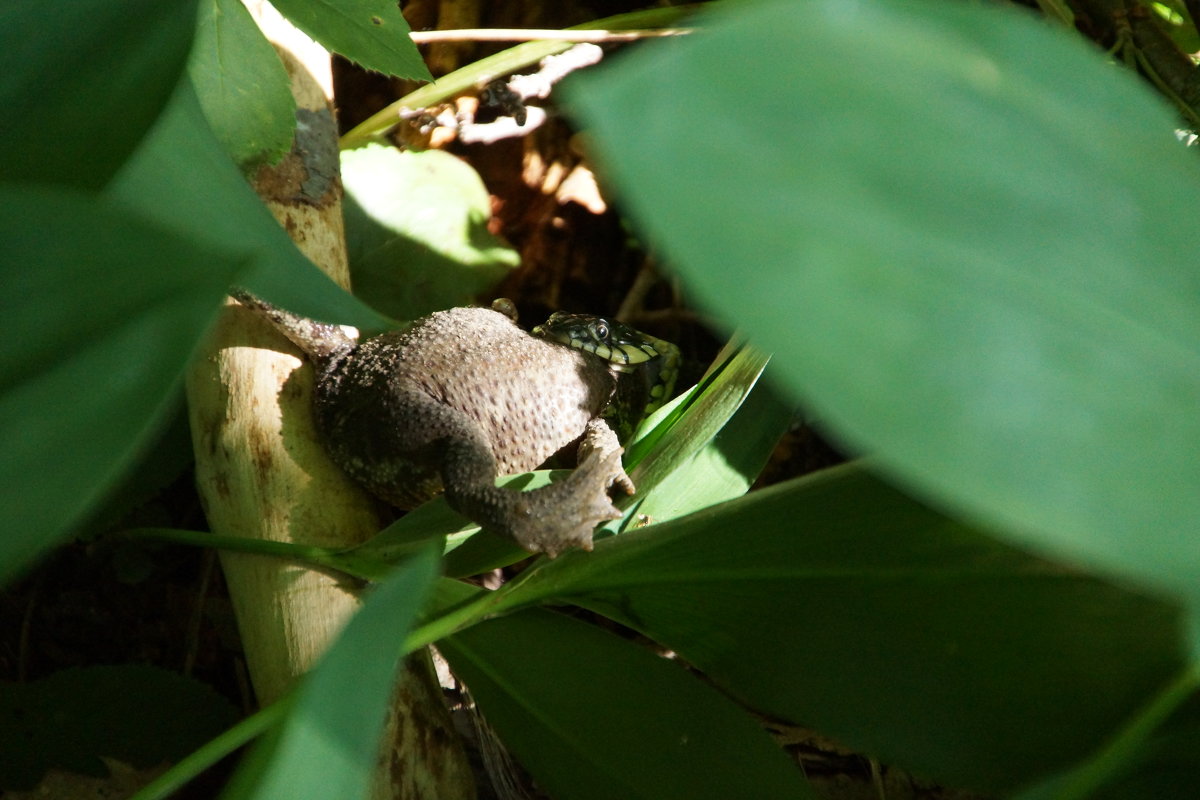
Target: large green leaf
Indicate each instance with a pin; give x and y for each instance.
(182, 178)
(591, 715)
(838, 602)
(242, 85)
(328, 744)
(370, 32)
(80, 83)
(102, 310)
(959, 230)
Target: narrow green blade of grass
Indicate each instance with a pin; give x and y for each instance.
(967, 252)
(593, 716)
(717, 448)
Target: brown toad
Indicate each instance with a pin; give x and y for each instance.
(461, 397)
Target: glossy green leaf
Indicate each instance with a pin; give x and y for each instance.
(328, 744)
(369, 32)
(592, 715)
(81, 82)
(135, 713)
(416, 231)
(966, 252)
(837, 602)
(182, 178)
(241, 84)
(728, 465)
(703, 456)
(102, 311)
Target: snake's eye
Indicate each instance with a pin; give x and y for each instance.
(601, 331)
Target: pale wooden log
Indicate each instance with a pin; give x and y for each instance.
(263, 473)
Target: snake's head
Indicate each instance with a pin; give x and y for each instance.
(615, 342)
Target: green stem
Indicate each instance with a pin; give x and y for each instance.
(1123, 748)
(479, 605)
(503, 63)
(296, 552)
(213, 751)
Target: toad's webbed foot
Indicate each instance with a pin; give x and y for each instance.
(565, 514)
(551, 519)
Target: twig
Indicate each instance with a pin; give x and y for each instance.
(543, 34)
(635, 298)
(520, 119)
(495, 66)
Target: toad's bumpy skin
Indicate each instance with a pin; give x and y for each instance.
(461, 397)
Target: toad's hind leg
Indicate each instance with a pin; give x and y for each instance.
(378, 445)
(548, 520)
